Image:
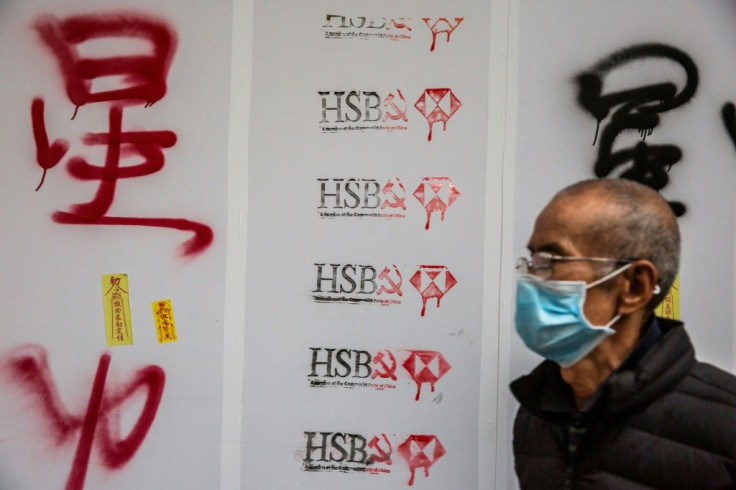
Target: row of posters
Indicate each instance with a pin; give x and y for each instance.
(363, 300)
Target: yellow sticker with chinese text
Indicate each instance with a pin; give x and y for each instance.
(163, 315)
(670, 305)
(116, 301)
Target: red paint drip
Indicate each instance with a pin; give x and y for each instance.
(441, 25)
(428, 193)
(47, 155)
(425, 366)
(431, 104)
(421, 451)
(432, 290)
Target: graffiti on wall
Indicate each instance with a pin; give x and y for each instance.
(728, 115)
(27, 368)
(638, 109)
(139, 79)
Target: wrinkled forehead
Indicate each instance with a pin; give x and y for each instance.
(563, 227)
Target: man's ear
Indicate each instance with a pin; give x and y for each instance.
(638, 284)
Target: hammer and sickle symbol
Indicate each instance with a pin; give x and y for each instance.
(395, 288)
(387, 371)
(400, 114)
(402, 24)
(382, 456)
(398, 202)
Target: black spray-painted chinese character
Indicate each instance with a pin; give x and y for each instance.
(637, 108)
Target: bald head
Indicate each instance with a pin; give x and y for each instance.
(627, 220)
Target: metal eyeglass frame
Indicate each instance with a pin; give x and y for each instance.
(544, 261)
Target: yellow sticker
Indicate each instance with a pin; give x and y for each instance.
(116, 301)
(163, 315)
(670, 305)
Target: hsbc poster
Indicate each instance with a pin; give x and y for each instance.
(365, 245)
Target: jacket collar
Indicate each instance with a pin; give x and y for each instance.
(656, 372)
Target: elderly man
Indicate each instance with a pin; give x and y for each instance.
(620, 401)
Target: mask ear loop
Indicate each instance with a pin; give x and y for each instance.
(607, 326)
(603, 279)
(607, 276)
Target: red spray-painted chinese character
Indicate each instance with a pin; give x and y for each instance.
(141, 79)
(143, 75)
(441, 25)
(426, 366)
(428, 193)
(421, 451)
(28, 367)
(432, 281)
(437, 105)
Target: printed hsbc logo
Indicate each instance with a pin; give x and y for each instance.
(371, 198)
(356, 283)
(354, 368)
(361, 27)
(370, 111)
(441, 25)
(345, 452)
(359, 198)
(340, 26)
(432, 282)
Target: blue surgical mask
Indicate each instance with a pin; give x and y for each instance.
(550, 319)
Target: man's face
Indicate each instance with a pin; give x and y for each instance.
(559, 231)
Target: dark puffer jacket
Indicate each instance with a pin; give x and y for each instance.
(669, 423)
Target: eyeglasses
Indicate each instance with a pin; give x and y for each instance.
(540, 263)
